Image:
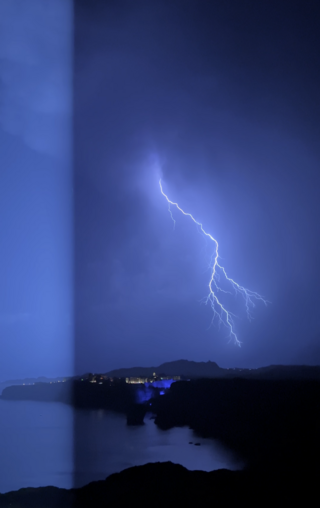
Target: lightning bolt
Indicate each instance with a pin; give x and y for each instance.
(224, 316)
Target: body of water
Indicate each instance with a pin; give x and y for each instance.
(53, 444)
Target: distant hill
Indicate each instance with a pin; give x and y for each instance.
(30, 381)
(191, 370)
(282, 372)
(209, 369)
(183, 368)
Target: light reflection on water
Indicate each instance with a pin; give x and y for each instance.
(53, 444)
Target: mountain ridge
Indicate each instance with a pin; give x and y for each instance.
(209, 369)
(175, 368)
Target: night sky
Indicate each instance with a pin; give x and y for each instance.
(220, 99)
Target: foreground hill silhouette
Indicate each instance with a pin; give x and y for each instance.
(171, 485)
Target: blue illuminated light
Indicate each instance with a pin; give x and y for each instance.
(144, 394)
(164, 383)
(151, 389)
(224, 316)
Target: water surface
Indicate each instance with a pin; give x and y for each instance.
(44, 443)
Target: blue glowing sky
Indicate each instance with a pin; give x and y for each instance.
(218, 99)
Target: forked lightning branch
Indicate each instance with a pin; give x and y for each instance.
(220, 312)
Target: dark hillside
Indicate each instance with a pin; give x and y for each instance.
(271, 424)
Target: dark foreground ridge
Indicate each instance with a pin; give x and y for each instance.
(167, 484)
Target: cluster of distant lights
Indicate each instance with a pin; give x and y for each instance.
(224, 316)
